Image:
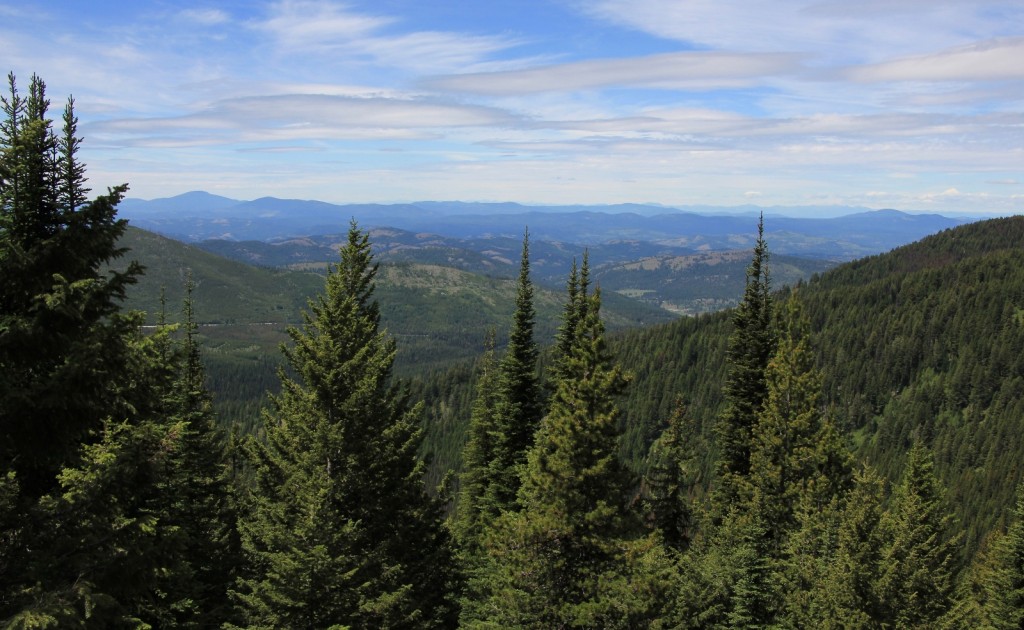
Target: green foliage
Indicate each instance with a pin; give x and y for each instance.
(574, 547)
(61, 338)
(797, 460)
(517, 407)
(916, 583)
(667, 485)
(751, 345)
(340, 530)
(992, 594)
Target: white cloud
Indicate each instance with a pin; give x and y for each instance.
(337, 34)
(291, 117)
(992, 60)
(859, 32)
(684, 70)
(299, 25)
(205, 17)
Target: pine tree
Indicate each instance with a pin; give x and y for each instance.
(471, 514)
(667, 481)
(577, 288)
(575, 549)
(199, 492)
(1003, 608)
(797, 461)
(64, 342)
(991, 595)
(751, 345)
(105, 549)
(915, 585)
(517, 407)
(341, 531)
(85, 445)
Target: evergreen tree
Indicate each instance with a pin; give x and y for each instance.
(518, 406)
(199, 492)
(751, 345)
(727, 577)
(105, 549)
(84, 441)
(577, 288)
(575, 550)
(471, 514)
(915, 585)
(341, 532)
(797, 461)
(63, 343)
(851, 582)
(992, 594)
(667, 482)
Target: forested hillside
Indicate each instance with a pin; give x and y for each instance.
(925, 341)
(438, 314)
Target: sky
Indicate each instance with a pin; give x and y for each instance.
(916, 105)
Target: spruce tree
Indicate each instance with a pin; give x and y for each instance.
(85, 442)
(667, 482)
(518, 406)
(991, 595)
(199, 492)
(105, 549)
(751, 346)
(1003, 607)
(915, 585)
(797, 461)
(64, 343)
(575, 550)
(472, 515)
(340, 532)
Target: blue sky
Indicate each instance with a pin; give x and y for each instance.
(909, 104)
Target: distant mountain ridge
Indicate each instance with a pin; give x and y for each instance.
(198, 216)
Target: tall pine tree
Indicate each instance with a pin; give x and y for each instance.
(85, 443)
(518, 405)
(915, 587)
(797, 461)
(751, 346)
(575, 555)
(63, 342)
(341, 532)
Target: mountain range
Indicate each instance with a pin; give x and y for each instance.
(199, 216)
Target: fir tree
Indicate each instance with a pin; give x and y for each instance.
(517, 407)
(63, 341)
(199, 492)
(797, 461)
(341, 531)
(85, 444)
(667, 481)
(751, 345)
(850, 586)
(568, 558)
(915, 585)
(992, 594)
(471, 514)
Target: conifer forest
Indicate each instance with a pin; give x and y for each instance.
(844, 453)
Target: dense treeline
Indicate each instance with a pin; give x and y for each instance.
(714, 486)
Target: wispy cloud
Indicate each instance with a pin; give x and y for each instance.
(684, 70)
(991, 60)
(302, 27)
(892, 102)
(289, 117)
(206, 17)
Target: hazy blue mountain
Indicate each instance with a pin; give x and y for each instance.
(196, 202)
(198, 216)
